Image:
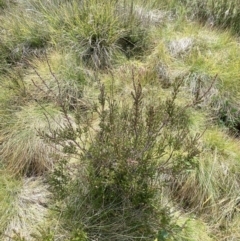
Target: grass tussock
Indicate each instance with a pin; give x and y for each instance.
(224, 14)
(23, 35)
(99, 33)
(23, 151)
(211, 191)
(198, 54)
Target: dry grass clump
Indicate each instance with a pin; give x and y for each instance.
(151, 16)
(220, 13)
(23, 151)
(30, 210)
(23, 35)
(211, 191)
(180, 46)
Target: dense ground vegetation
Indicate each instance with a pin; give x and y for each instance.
(119, 120)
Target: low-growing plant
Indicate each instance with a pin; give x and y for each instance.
(9, 189)
(22, 150)
(225, 111)
(213, 185)
(44, 235)
(4, 3)
(113, 194)
(99, 32)
(198, 83)
(220, 13)
(24, 206)
(23, 35)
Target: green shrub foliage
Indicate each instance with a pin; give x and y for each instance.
(136, 149)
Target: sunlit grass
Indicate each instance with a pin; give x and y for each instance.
(23, 35)
(23, 150)
(58, 79)
(100, 33)
(211, 191)
(55, 46)
(211, 57)
(211, 52)
(29, 210)
(9, 189)
(193, 230)
(205, 58)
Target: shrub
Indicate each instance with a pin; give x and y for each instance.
(113, 194)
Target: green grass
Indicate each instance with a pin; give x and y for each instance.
(55, 53)
(4, 4)
(9, 189)
(193, 230)
(198, 53)
(23, 150)
(224, 14)
(23, 35)
(213, 185)
(98, 32)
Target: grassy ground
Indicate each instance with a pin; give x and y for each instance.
(56, 54)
